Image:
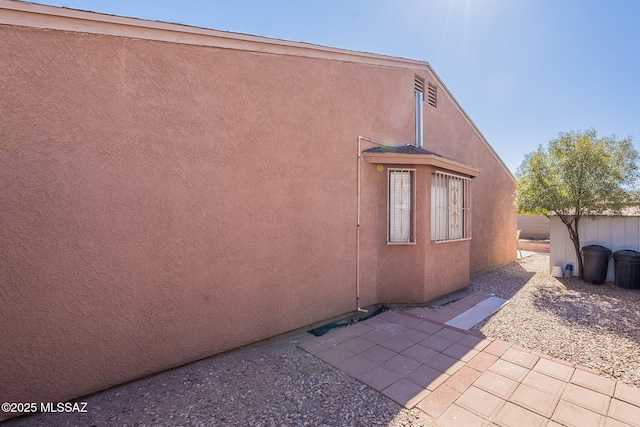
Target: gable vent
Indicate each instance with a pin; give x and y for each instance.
(432, 95)
(419, 85)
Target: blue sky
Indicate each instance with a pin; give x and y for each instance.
(523, 70)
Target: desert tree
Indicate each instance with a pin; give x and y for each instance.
(576, 175)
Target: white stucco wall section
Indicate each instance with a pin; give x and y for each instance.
(613, 232)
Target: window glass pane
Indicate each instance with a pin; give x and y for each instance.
(455, 208)
(438, 208)
(450, 208)
(400, 204)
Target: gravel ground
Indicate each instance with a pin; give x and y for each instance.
(534, 245)
(275, 384)
(278, 384)
(595, 326)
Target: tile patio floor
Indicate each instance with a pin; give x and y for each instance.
(462, 379)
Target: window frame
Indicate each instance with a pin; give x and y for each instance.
(438, 205)
(412, 207)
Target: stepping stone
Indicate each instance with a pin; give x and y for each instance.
(477, 313)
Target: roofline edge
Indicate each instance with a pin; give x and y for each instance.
(26, 14)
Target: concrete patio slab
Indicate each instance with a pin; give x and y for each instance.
(477, 313)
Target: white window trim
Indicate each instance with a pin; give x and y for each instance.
(412, 208)
(464, 210)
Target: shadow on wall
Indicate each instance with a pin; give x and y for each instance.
(600, 307)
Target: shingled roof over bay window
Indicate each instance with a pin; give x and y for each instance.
(412, 155)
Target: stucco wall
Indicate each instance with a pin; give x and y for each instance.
(164, 202)
(534, 226)
(157, 211)
(449, 132)
(414, 273)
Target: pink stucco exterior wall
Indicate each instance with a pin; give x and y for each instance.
(163, 202)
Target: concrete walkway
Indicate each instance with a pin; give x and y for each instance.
(462, 379)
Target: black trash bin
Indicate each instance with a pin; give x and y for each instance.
(596, 262)
(627, 266)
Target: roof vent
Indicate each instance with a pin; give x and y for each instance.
(432, 95)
